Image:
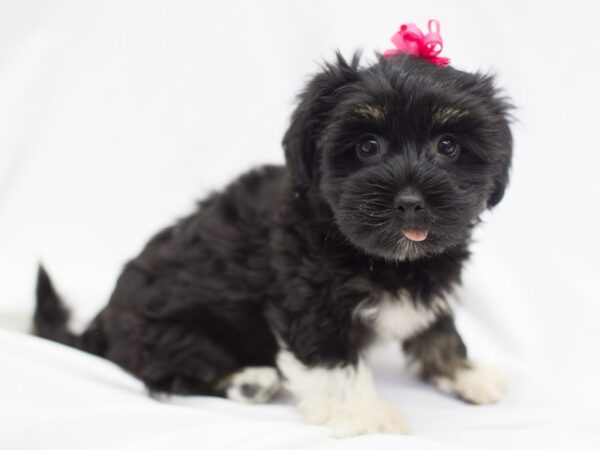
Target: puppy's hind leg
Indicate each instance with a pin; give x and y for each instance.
(253, 384)
(248, 385)
(173, 357)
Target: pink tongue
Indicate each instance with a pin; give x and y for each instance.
(415, 235)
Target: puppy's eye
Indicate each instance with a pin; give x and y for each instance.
(447, 146)
(368, 147)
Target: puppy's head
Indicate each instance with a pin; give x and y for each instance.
(406, 154)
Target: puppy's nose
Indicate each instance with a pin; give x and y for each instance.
(409, 202)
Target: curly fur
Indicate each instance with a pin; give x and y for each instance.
(285, 256)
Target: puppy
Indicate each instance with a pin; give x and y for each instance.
(291, 273)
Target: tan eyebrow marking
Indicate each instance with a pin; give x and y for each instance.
(442, 116)
(371, 112)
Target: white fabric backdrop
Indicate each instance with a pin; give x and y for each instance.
(116, 116)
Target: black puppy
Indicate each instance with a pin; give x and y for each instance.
(295, 271)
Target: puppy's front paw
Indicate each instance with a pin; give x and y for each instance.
(380, 417)
(478, 384)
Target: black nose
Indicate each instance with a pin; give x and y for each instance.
(409, 202)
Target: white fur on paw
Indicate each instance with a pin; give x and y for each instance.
(478, 384)
(254, 385)
(342, 397)
(379, 417)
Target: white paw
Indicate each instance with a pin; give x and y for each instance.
(254, 385)
(479, 384)
(380, 417)
(341, 397)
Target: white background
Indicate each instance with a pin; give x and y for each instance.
(115, 117)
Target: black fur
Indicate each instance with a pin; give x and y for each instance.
(439, 350)
(291, 251)
(51, 316)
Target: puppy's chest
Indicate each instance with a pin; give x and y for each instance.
(399, 316)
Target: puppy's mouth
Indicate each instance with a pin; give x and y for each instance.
(415, 235)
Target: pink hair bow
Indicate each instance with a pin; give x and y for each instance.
(410, 39)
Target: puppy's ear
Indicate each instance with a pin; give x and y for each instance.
(504, 151)
(499, 109)
(310, 117)
(500, 182)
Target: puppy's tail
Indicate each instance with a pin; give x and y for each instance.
(51, 316)
(51, 320)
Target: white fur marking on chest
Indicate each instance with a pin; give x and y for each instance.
(401, 318)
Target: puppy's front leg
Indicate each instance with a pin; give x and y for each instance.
(441, 358)
(341, 396)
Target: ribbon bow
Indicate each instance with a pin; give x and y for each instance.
(410, 39)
